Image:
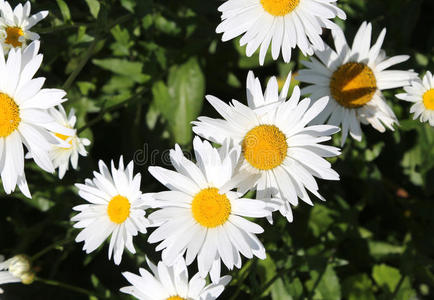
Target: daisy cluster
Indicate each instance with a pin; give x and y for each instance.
(273, 144)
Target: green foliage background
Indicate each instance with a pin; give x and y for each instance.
(137, 71)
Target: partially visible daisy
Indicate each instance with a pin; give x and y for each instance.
(197, 219)
(172, 283)
(15, 25)
(285, 24)
(116, 208)
(24, 117)
(16, 269)
(421, 93)
(353, 78)
(281, 154)
(61, 154)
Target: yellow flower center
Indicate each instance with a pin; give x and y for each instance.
(175, 298)
(279, 8)
(64, 137)
(428, 99)
(9, 115)
(118, 209)
(265, 147)
(353, 85)
(210, 209)
(12, 36)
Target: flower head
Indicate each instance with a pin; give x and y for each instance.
(353, 78)
(116, 208)
(172, 283)
(15, 25)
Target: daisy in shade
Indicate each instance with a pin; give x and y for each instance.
(171, 283)
(353, 78)
(198, 219)
(24, 116)
(61, 154)
(116, 208)
(15, 25)
(284, 24)
(281, 155)
(421, 93)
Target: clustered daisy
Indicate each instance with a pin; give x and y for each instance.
(353, 78)
(285, 24)
(281, 154)
(273, 146)
(421, 93)
(171, 282)
(116, 208)
(15, 25)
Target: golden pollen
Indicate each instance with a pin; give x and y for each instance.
(265, 147)
(175, 298)
(118, 209)
(12, 36)
(9, 115)
(210, 209)
(353, 85)
(279, 8)
(428, 99)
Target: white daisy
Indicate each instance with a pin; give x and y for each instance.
(196, 218)
(15, 25)
(353, 78)
(16, 269)
(421, 93)
(117, 209)
(283, 23)
(60, 154)
(171, 283)
(24, 117)
(281, 155)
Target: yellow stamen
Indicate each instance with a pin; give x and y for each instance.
(428, 99)
(353, 85)
(210, 209)
(279, 8)
(12, 36)
(118, 209)
(175, 298)
(265, 147)
(9, 115)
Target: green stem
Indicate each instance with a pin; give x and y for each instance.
(109, 109)
(83, 61)
(247, 267)
(50, 247)
(68, 287)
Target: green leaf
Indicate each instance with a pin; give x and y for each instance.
(64, 10)
(132, 70)
(358, 287)
(94, 7)
(324, 285)
(380, 249)
(186, 87)
(386, 277)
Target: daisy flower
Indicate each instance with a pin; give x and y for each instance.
(353, 78)
(171, 283)
(116, 208)
(24, 117)
(196, 218)
(60, 154)
(281, 155)
(14, 270)
(421, 93)
(284, 24)
(15, 25)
